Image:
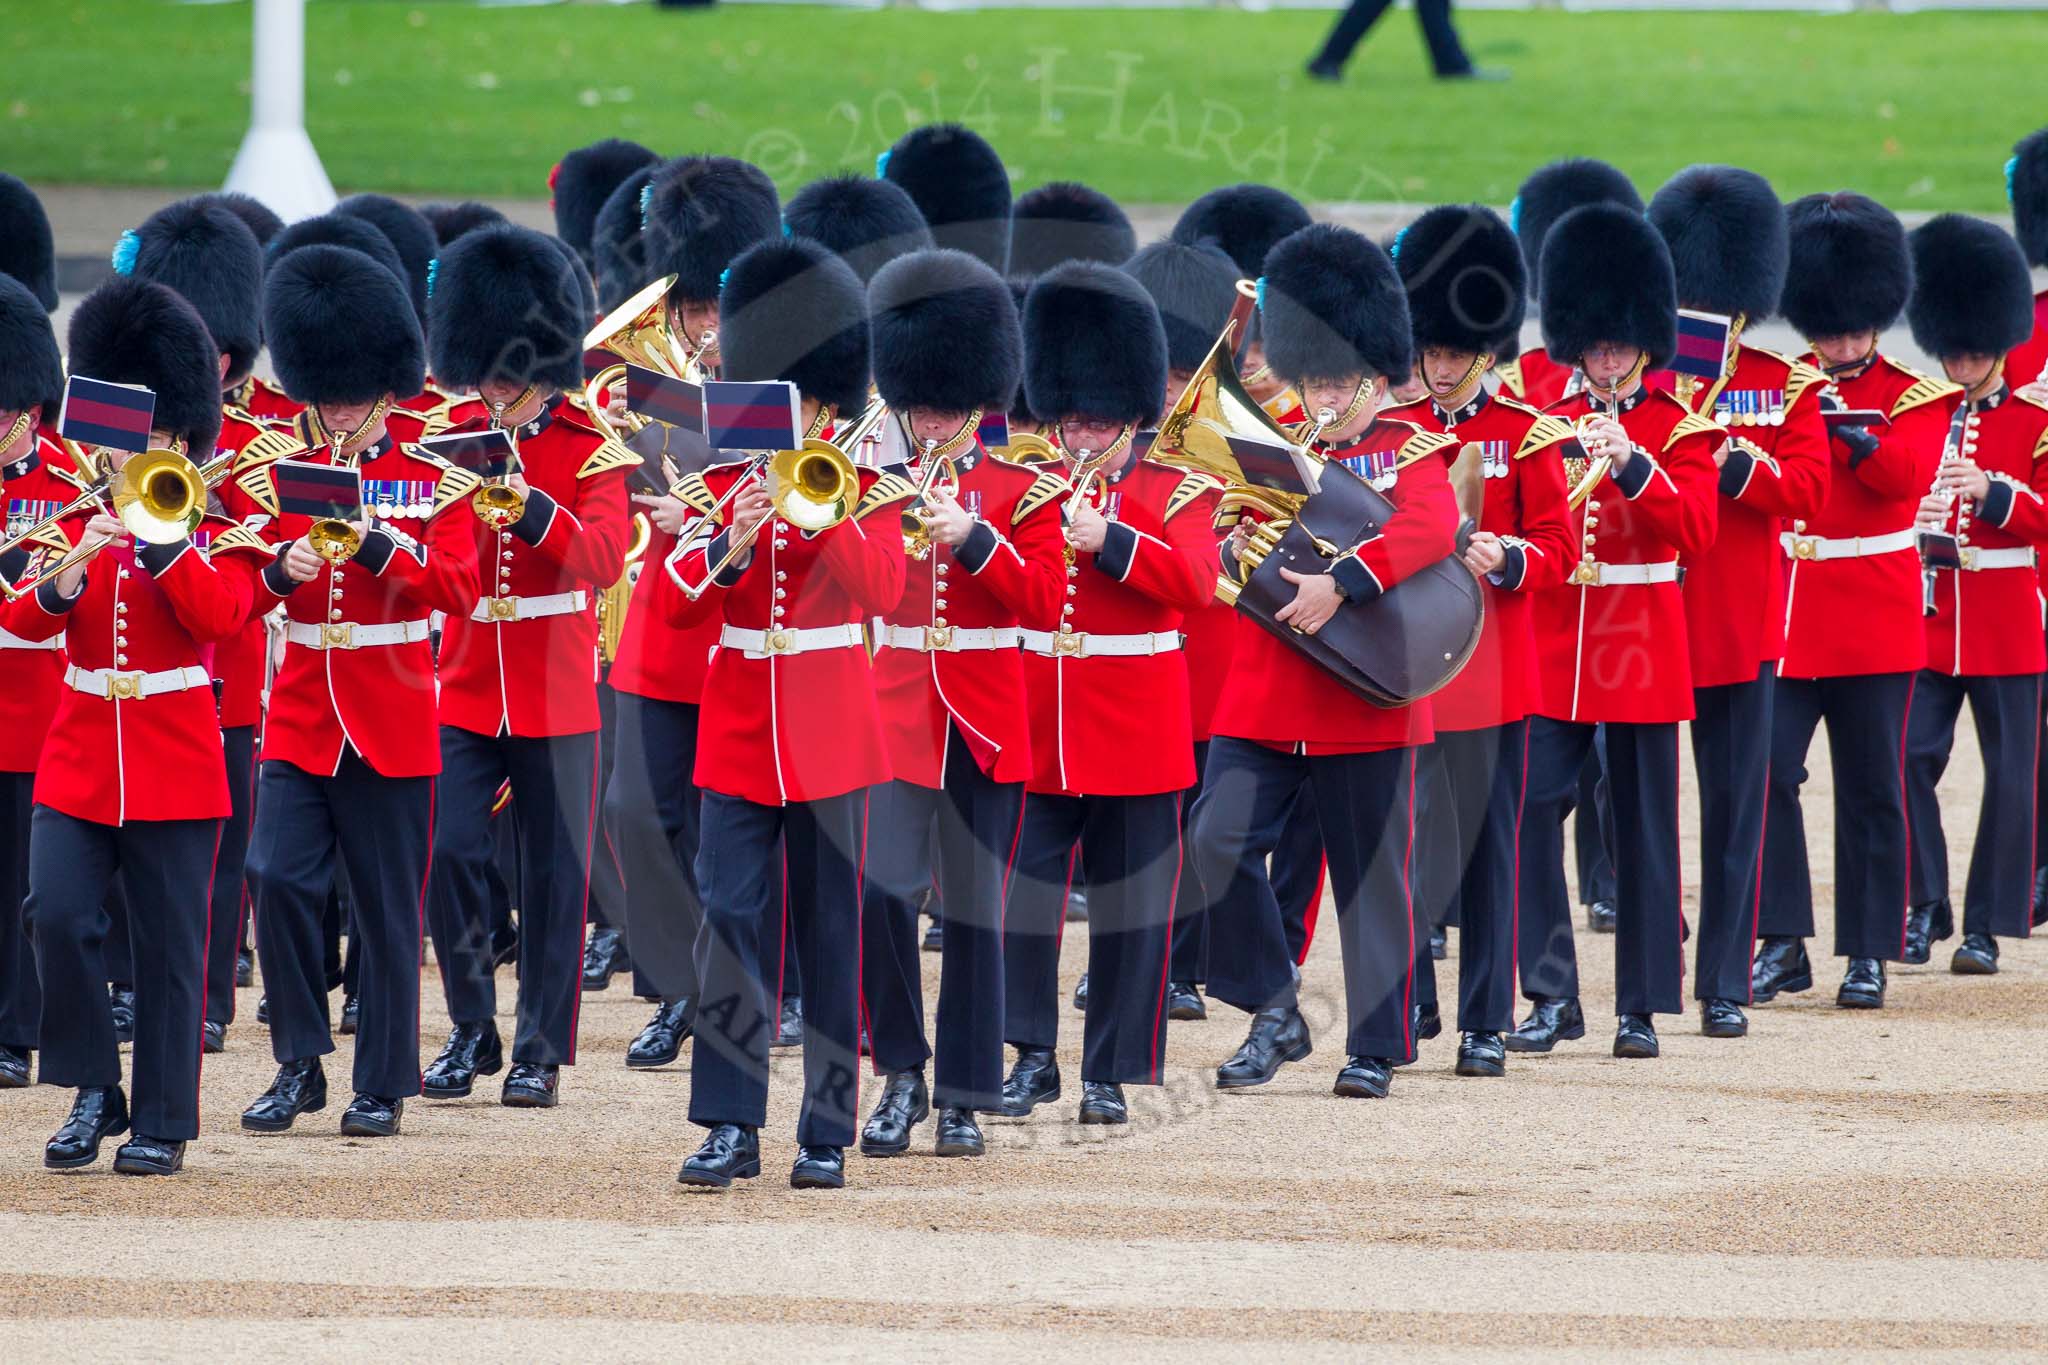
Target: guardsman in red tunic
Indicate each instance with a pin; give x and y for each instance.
(951, 684)
(1726, 231)
(2026, 368)
(1971, 303)
(789, 741)
(351, 747)
(1465, 279)
(131, 781)
(1855, 636)
(1245, 222)
(1536, 376)
(1112, 748)
(1614, 651)
(1335, 319)
(519, 670)
(36, 482)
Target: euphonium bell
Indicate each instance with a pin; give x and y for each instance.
(638, 333)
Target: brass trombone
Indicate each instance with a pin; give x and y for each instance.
(159, 496)
(812, 489)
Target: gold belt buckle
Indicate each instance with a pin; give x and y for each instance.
(779, 642)
(338, 635)
(124, 686)
(1586, 574)
(1805, 547)
(1071, 645)
(504, 608)
(938, 638)
(1969, 557)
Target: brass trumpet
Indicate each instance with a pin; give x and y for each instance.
(812, 489)
(1584, 471)
(941, 475)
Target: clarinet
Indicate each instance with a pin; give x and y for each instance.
(1940, 548)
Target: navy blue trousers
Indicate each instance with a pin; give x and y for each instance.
(381, 829)
(607, 871)
(1190, 953)
(1470, 835)
(1731, 753)
(652, 810)
(1998, 898)
(169, 866)
(228, 902)
(1591, 833)
(20, 994)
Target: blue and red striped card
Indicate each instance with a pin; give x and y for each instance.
(1702, 344)
(664, 398)
(994, 431)
(745, 415)
(100, 413)
(487, 452)
(307, 489)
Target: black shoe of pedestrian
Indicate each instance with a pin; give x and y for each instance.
(958, 1133)
(1977, 957)
(1328, 72)
(505, 945)
(1635, 1036)
(124, 1013)
(1033, 1081)
(213, 1037)
(99, 1112)
(1277, 1036)
(351, 1015)
(298, 1088)
(1488, 74)
(263, 1010)
(1482, 1054)
(905, 1103)
(1103, 1103)
(1780, 967)
(604, 956)
(1184, 1001)
(532, 1085)
(818, 1168)
(372, 1116)
(1550, 1022)
(1862, 985)
(1722, 1019)
(1601, 915)
(471, 1050)
(1439, 945)
(661, 1042)
(145, 1155)
(1077, 904)
(729, 1152)
(1925, 925)
(789, 1023)
(1364, 1078)
(14, 1069)
(935, 936)
(1081, 994)
(245, 969)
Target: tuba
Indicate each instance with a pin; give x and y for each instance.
(638, 333)
(613, 601)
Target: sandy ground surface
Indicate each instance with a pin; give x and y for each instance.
(1835, 1184)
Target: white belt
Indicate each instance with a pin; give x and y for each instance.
(528, 608)
(1846, 547)
(348, 635)
(945, 639)
(759, 644)
(1080, 644)
(115, 685)
(1591, 573)
(11, 641)
(2010, 557)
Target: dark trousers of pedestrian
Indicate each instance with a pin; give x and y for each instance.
(1642, 775)
(1866, 720)
(1998, 898)
(651, 809)
(1590, 831)
(1298, 868)
(21, 995)
(607, 869)
(822, 843)
(1128, 847)
(977, 824)
(382, 830)
(1472, 833)
(1365, 808)
(168, 865)
(1190, 954)
(1731, 753)
(554, 807)
(1446, 53)
(229, 899)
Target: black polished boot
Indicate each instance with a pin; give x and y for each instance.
(1635, 1035)
(1184, 1001)
(532, 1085)
(729, 1152)
(1033, 1081)
(1977, 957)
(818, 1168)
(1277, 1036)
(1364, 1078)
(1103, 1103)
(213, 1037)
(351, 1015)
(1601, 916)
(372, 1116)
(959, 1134)
(245, 969)
(1722, 1019)
(14, 1068)
(1482, 1054)
(1081, 994)
(99, 1112)
(123, 1000)
(1862, 985)
(934, 936)
(298, 1088)
(1439, 945)
(1550, 1022)
(471, 1050)
(905, 1103)
(603, 958)
(789, 1024)
(146, 1155)
(661, 1042)
(1781, 966)
(1926, 924)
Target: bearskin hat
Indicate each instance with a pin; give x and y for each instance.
(583, 180)
(1194, 287)
(960, 186)
(337, 229)
(618, 249)
(254, 213)
(1332, 306)
(1093, 346)
(341, 329)
(1554, 190)
(506, 305)
(410, 235)
(202, 251)
(791, 309)
(27, 251)
(701, 212)
(586, 289)
(1972, 294)
(451, 221)
(1247, 221)
(2026, 183)
(131, 331)
(868, 222)
(31, 370)
(1607, 277)
(946, 335)
(1850, 269)
(1466, 282)
(1726, 231)
(1067, 221)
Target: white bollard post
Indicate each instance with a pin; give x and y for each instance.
(277, 163)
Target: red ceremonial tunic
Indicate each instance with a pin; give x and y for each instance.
(1987, 620)
(657, 660)
(1534, 377)
(2028, 361)
(260, 398)
(1861, 614)
(1276, 696)
(239, 663)
(1525, 505)
(32, 489)
(1614, 650)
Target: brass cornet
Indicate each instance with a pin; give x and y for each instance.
(942, 476)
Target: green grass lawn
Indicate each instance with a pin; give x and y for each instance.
(1153, 106)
